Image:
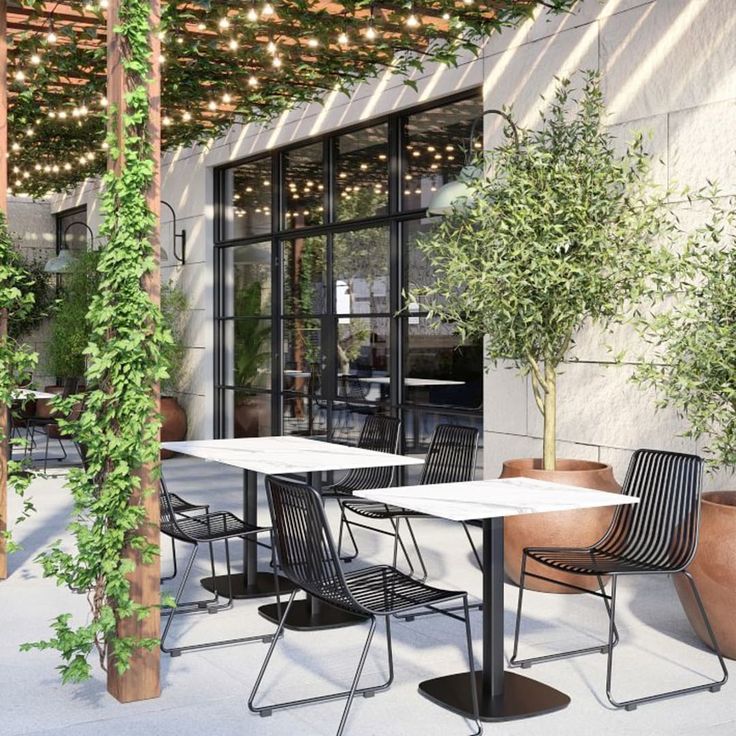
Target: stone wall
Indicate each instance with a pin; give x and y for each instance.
(669, 68)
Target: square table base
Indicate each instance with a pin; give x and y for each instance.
(259, 585)
(521, 697)
(312, 615)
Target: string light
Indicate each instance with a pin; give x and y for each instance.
(51, 37)
(226, 98)
(166, 120)
(343, 38)
(186, 116)
(35, 59)
(233, 44)
(267, 9)
(201, 27)
(252, 15)
(253, 82)
(224, 23)
(271, 47)
(277, 61)
(19, 76)
(212, 105)
(370, 32)
(412, 21)
(312, 43)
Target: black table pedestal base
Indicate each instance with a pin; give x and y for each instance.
(305, 616)
(522, 697)
(261, 587)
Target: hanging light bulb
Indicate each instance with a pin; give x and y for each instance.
(104, 4)
(312, 43)
(201, 27)
(166, 120)
(252, 15)
(226, 98)
(343, 38)
(212, 105)
(35, 59)
(103, 102)
(271, 47)
(370, 32)
(267, 9)
(51, 37)
(253, 82)
(445, 16)
(224, 23)
(233, 44)
(186, 116)
(277, 61)
(19, 76)
(412, 21)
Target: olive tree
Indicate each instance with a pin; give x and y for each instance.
(564, 230)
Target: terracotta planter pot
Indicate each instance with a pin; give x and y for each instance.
(43, 410)
(250, 415)
(558, 529)
(714, 571)
(174, 425)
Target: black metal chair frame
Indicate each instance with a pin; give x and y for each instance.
(439, 467)
(658, 536)
(306, 554)
(204, 528)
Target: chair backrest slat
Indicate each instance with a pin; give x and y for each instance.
(451, 455)
(662, 529)
(304, 545)
(381, 434)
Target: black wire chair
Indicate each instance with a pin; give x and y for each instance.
(204, 528)
(657, 536)
(50, 427)
(450, 459)
(179, 506)
(306, 555)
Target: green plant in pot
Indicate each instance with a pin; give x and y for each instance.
(252, 351)
(692, 366)
(563, 233)
(174, 308)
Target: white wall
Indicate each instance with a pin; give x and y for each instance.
(668, 66)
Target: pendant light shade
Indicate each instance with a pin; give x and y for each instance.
(454, 193)
(60, 263)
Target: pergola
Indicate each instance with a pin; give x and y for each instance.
(105, 86)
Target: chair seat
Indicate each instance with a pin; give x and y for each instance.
(209, 527)
(383, 590)
(599, 561)
(376, 510)
(179, 505)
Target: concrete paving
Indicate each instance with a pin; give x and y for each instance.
(206, 692)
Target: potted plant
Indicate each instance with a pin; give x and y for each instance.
(692, 365)
(174, 306)
(562, 234)
(252, 338)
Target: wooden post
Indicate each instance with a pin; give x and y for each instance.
(142, 680)
(4, 424)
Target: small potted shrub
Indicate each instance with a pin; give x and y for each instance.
(693, 369)
(563, 233)
(174, 310)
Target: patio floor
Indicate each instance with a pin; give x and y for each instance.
(206, 692)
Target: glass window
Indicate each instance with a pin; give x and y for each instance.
(251, 413)
(363, 352)
(361, 271)
(247, 199)
(304, 189)
(305, 275)
(72, 233)
(361, 173)
(248, 289)
(251, 353)
(435, 146)
(302, 355)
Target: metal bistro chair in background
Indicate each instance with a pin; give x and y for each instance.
(204, 528)
(450, 459)
(306, 555)
(657, 536)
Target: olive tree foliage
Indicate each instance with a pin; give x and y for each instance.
(564, 231)
(692, 360)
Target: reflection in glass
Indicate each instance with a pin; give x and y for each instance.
(250, 266)
(252, 353)
(251, 414)
(303, 186)
(305, 275)
(439, 368)
(361, 173)
(302, 355)
(435, 148)
(363, 358)
(418, 270)
(361, 271)
(72, 230)
(247, 199)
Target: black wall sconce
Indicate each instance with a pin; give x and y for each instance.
(182, 236)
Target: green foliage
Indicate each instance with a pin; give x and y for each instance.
(174, 306)
(251, 336)
(203, 69)
(70, 330)
(692, 363)
(37, 282)
(16, 364)
(565, 232)
(118, 426)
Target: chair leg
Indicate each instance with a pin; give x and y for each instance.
(418, 551)
(63, 450)
(267, 710)
(398, 541)
(345, 524)
(471, 667)
(209, 604)
(164, 578)
(177, 598)
(473, 547)
(633, 703)
(514, 661)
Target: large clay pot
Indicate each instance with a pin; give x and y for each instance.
(250, 415)
(714, 571)
(557, 529)
(43, 409)
(174, 424)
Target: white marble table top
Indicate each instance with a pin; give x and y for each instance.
(29, 393)
(485, 499)
(274, 455)
(411, 382)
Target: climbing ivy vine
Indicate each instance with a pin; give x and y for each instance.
(119, 425)
(17, 361)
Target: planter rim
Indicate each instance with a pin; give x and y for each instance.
(721, 499)
(574, 465)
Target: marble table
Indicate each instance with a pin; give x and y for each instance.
(280, 456)
(28, 393)
(503, 695)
